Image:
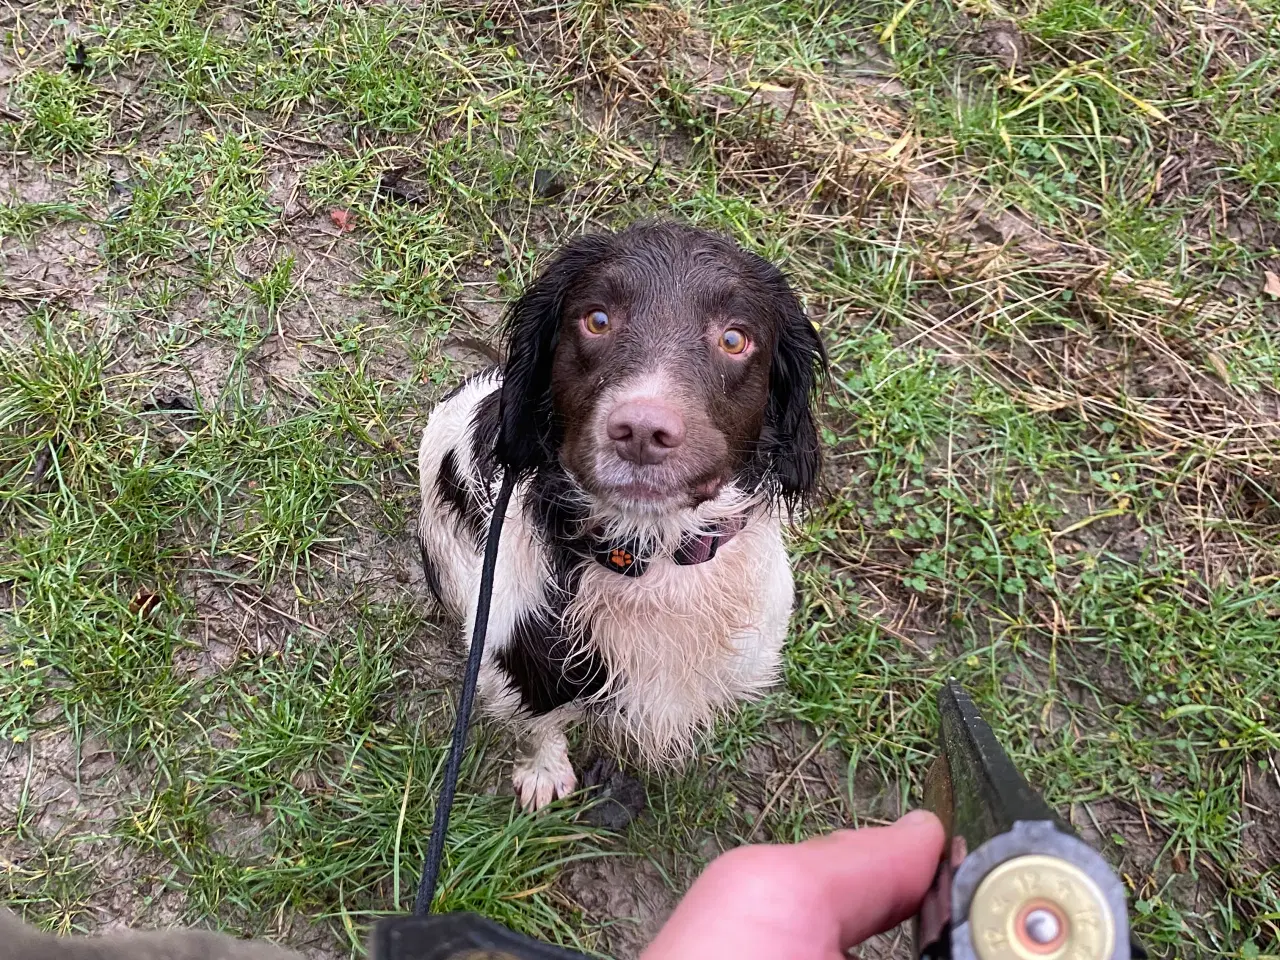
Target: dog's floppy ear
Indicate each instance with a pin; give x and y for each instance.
(528, 433)
(799, 368)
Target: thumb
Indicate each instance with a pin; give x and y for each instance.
(873, 879)
(808, 900)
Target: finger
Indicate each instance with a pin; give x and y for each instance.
(875, 878)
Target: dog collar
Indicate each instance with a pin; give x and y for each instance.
(627, 557)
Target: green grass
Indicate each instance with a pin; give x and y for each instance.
(1050, 426)
(62, 114)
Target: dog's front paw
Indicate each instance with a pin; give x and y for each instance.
(543, 777)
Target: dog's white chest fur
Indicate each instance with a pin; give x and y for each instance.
(684, 642)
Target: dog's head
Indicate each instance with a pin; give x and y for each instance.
(658, 364)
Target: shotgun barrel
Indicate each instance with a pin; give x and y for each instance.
(1015, 882)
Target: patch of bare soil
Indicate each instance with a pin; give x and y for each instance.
(58, 263)
(62, 265)
(25, 181)
(626, 897)
(1098, 528)
(68, 797)
(791, 770)
(998, 40)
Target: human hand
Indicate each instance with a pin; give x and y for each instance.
(805, 901)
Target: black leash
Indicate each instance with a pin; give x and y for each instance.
(440, 825)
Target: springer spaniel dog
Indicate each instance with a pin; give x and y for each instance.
(656, 404)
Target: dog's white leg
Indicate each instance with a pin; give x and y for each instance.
(543, 772)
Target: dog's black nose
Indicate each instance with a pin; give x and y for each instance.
(645, 431)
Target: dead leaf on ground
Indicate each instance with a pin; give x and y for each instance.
(344, 220)
(1272, 285)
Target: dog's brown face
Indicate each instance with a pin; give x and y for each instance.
(668, 362)
(661, 374)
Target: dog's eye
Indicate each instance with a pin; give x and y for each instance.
(733, 341)
(597, 322)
